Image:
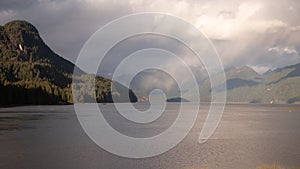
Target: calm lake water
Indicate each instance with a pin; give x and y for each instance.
(48, 137)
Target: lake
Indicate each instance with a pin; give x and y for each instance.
(35, 137)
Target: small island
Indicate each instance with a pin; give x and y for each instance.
(177, 99)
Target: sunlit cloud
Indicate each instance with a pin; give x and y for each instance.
(284, 50)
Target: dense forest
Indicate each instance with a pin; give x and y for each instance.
(31, 73)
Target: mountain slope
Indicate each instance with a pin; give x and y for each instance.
(244, 72)
(31, 73)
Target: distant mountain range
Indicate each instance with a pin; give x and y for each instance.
(244, 85)
(31, 73)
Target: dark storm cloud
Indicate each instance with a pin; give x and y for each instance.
(16, 4)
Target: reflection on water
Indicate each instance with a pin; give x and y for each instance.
(13, 122)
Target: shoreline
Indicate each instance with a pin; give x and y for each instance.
(227, 103)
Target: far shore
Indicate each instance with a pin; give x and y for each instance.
(227, 103)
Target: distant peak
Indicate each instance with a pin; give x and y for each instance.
(268, 72)
(241, 69)
(246, 69)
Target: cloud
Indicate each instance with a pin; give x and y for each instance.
(295, 28)
(243, 31)
(285, 50)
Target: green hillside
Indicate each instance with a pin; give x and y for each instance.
(31, 73)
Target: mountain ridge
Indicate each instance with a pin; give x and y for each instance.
(279, 86)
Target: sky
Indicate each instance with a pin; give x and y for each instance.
(263, 34)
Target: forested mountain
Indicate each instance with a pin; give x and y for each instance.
(31, 73)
